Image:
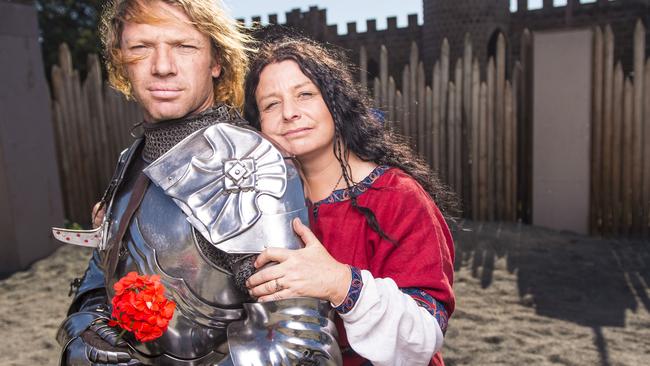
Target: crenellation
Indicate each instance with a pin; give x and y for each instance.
(371, 25)
(273, 19)
(413, 21)
(293, 16)
(522, 5)
(391, 23)
(352, 27)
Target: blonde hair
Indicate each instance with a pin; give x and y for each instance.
(230, 44)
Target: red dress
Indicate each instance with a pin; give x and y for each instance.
(421, 259)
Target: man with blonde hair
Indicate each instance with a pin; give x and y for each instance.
(192, 201)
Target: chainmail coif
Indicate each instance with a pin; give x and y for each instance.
(159, 137)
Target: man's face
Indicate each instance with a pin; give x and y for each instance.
(173, 65)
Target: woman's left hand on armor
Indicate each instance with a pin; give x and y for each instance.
(310, 271)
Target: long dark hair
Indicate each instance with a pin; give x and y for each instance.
(357, 129)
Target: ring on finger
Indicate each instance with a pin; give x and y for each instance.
(278, 287)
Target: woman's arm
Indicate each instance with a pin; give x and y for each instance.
(383, 324)
(388, 326)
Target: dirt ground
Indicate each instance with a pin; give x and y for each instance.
(525, 296)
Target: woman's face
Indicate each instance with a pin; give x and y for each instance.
(293, 112)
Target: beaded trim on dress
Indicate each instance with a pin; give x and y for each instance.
(345, 194)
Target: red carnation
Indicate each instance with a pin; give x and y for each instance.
(140, 306)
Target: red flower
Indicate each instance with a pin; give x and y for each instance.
(140, 306)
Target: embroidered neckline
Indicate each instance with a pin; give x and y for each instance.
(356, 190)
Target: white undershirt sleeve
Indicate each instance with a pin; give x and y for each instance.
(387, 327)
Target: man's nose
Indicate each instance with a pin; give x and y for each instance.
(163, 63)
(290, 110)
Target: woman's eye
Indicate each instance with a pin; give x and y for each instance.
(305, 95)
(270, 106)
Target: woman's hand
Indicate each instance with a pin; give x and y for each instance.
(310, 271)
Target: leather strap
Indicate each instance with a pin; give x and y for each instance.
(137, 194)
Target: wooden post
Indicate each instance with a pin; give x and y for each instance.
(383, 77)
(514, 127)
(617, 148)
(500, 84)
(473, 138)
(406, 102)
(466, 127)
(421, 133)
(376, 91)
(637, 128)
(646, 153)
(363, 67)
(391, 103)
(627, 157)
(444, 79)
(436, 84)
(595, 222)
(483, 153)
(399, 112)
(428, 126)
(525, 130)
(451, 141)
(507, 153)
(491, 193)
(607, 173)
(413, 94)
(458, 162)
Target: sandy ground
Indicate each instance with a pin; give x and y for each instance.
(526, 296)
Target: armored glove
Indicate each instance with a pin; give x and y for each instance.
(88, 340)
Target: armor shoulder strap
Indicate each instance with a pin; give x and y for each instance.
(123, 162)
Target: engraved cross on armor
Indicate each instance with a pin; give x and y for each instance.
(239, 174)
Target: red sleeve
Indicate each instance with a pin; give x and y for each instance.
(423, 253)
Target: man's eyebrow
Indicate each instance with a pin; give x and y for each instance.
(143, 39)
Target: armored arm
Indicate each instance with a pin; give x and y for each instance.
(85, 337)
(297, 331)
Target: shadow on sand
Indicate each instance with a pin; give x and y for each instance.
(585, 280)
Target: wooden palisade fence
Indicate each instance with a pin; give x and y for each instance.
(474, 132)
(620, 191)
(464, 127)
(92, 124)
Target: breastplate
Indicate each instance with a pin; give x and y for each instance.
(223, 184)
(161, 241)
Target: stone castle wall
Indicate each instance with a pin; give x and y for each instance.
(482, 19)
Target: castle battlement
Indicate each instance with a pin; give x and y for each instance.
(547, 5)
(482, 20)
(317, 18)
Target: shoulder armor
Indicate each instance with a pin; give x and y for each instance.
(218, 176)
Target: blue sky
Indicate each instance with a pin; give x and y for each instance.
(340, 12)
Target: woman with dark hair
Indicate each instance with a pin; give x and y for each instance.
(386, 258)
